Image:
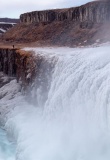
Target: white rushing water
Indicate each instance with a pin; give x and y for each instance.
(7, 149)
(72, 122)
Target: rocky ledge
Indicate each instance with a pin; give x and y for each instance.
(97, 11)
(79, 26)
(17, 63)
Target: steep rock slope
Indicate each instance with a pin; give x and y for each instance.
(96, 12)
(17, 63)
(82, 25)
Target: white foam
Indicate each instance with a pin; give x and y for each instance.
(74, 122)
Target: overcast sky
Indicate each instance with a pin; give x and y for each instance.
(13, 8)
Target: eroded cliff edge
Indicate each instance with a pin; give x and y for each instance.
(18, 63)
(76, 26)
(96, 12)
(27, 67)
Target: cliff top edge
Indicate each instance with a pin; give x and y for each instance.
(66, 9)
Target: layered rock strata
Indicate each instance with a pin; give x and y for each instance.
(31, 71)
(98, 11)
(79, 26)
(17, 63)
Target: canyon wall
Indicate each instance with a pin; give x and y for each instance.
(32, 71)
(17, 63)
(7, 61)
(98, 11)
(78, 26)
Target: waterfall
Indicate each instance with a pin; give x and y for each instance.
(70, 116)
(7, 150)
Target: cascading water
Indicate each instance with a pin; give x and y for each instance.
(7, 149)
(70, 116)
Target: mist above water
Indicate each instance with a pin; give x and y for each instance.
(7, 149)
(72, 121)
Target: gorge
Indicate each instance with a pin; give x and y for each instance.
(65, 111)
(55, 99)
(77, 26)
(95, 12)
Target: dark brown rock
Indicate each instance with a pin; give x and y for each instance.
(97, 11)
(17, 63)
(63, 27)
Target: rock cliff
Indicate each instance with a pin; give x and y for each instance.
(17, 63)
(26, 67)
(76, 26)
(98, 11)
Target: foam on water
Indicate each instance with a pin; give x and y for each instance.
(7, 149)
(74, 121)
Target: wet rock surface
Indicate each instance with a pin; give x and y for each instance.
(17, 64)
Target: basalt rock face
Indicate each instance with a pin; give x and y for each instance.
(8, 61)
(27, 67)
(96, 12)
(19, 64)
(79, 26)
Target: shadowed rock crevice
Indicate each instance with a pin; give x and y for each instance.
(18, 64)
